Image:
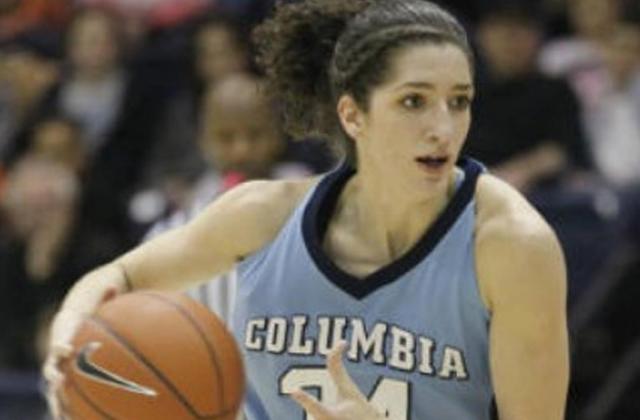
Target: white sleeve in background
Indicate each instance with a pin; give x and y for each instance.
(218, 295)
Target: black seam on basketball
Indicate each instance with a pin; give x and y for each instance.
(210, 349)
(88, 400)
(159, 374)
(100, 322)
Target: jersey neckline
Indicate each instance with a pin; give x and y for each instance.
(322, 203)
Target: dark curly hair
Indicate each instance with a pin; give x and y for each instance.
(315, 51)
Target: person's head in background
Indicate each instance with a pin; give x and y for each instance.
(58, 140)
(24, 77)
(37, 190)
(593, 19)
(220, 48)
(621, 51)
(241, 130)
(95, 43)
(509, 38)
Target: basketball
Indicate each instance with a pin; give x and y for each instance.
(153, 355)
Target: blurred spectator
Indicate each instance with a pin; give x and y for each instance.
(578, 57)
(221, 48)
(239, 138)
(526, 126)
(59, 140)
(610, 389)
(40, 211)
(45, 248)
(240, 132)
(154, 13)
(24, 77)
(18, 17)
(115, 110)
(218, 48)
(612, 116)
(96, 82)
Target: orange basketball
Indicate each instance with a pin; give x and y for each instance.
(153, 356)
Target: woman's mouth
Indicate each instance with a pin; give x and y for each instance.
(432, 164)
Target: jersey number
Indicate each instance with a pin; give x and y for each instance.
(389, 396)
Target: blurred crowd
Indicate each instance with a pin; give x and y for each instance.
(121, 117)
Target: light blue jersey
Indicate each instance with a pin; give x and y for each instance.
(417, 330)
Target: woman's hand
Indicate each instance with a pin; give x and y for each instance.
(351, 404)
(64, 326)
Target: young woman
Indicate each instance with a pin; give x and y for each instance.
(445, 287)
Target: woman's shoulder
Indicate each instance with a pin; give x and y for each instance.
(516, 249)
(503, 212)
(244, 219)
(277, 197)
(259, 208)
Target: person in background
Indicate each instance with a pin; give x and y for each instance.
(24, 77)
(526, 125)
(241, 139)
(37, 209)
(45, 241)
(44, 246)
(115, 110)
(579, 57)
(154, 14)
(42, 228)
(217, 48)
(59, 140)
(612, 116)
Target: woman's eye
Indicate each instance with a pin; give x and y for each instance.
(413, 102)
(460, 103)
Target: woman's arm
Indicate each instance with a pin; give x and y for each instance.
(237, 224)
(522, 271)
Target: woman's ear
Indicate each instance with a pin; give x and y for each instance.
(351, 117)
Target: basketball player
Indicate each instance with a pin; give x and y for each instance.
(446, 287)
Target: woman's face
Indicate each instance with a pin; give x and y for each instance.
(418, 119)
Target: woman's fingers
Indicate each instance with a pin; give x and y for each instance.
(351, 403)
(62, 350)
(58, 352)
(345, 385)
(51, 369)
(311, 405)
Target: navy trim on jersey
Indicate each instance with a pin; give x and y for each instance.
(493, 409)
(322, 204)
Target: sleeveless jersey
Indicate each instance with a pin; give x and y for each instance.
(416, 329)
